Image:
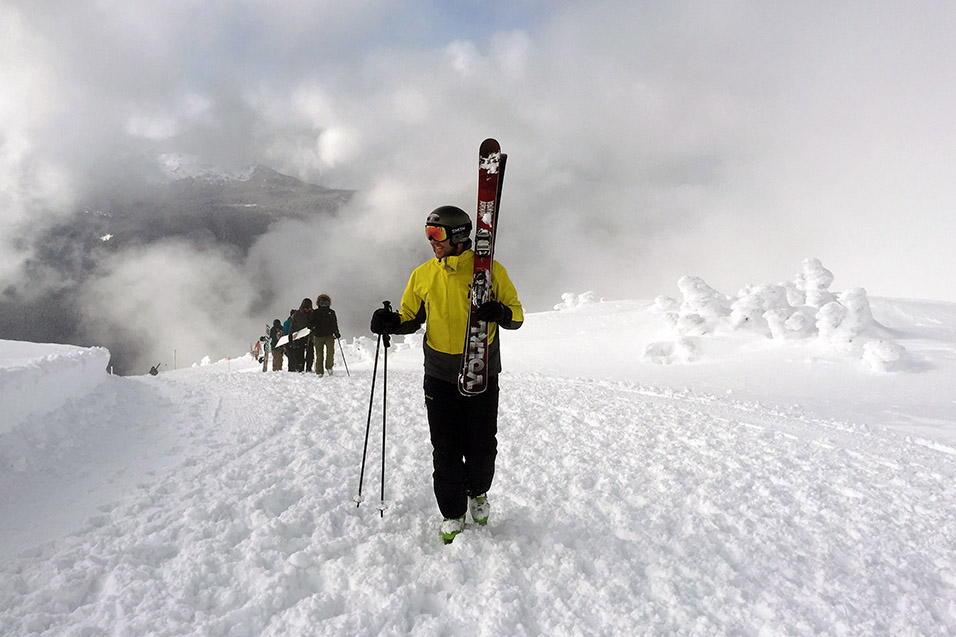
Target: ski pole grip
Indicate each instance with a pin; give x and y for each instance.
(385, 337)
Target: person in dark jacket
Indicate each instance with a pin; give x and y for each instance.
(301, 319)
(275, 333)
(324, 334)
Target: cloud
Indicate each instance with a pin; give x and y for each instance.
(165, 298)
(646, 141)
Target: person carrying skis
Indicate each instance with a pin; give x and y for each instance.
(275, 333)
(301, 319)
(324, 334)
(463, 429)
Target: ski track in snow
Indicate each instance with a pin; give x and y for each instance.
(617, 509)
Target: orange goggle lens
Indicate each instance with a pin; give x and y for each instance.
(436, 233)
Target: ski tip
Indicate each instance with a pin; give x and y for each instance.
(489, 146)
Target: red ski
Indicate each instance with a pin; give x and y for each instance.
(473, 378)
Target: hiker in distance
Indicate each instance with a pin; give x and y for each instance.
(300, 319)
(325, 332)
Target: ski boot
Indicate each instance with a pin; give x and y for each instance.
(451, 527)
(480, 508)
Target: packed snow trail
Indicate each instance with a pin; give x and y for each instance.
(617, 509)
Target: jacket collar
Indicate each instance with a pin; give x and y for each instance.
(453, 263)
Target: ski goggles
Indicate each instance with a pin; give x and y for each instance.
(436, 233)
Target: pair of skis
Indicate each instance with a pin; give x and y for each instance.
(473, 378)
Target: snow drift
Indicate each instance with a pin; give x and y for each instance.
(804, 308)
(36, 379)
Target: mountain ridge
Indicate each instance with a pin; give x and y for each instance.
(228, 212)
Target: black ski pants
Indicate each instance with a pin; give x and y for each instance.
(296, 358)
(309, 352)
(464, 442)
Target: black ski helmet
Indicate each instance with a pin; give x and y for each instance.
(454, 219)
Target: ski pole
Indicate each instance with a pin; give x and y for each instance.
(387, 340)
(345, 362)
(368, 424)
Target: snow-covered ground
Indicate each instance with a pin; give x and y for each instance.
(777, 462)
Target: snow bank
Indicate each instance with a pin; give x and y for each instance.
(803, 309)
(36, 379)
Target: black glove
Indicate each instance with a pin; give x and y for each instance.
(337, 336)
(384, 322)
(493, 312)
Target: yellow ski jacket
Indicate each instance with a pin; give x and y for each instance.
(437, 295)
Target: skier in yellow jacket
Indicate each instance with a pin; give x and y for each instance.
(463, 428)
